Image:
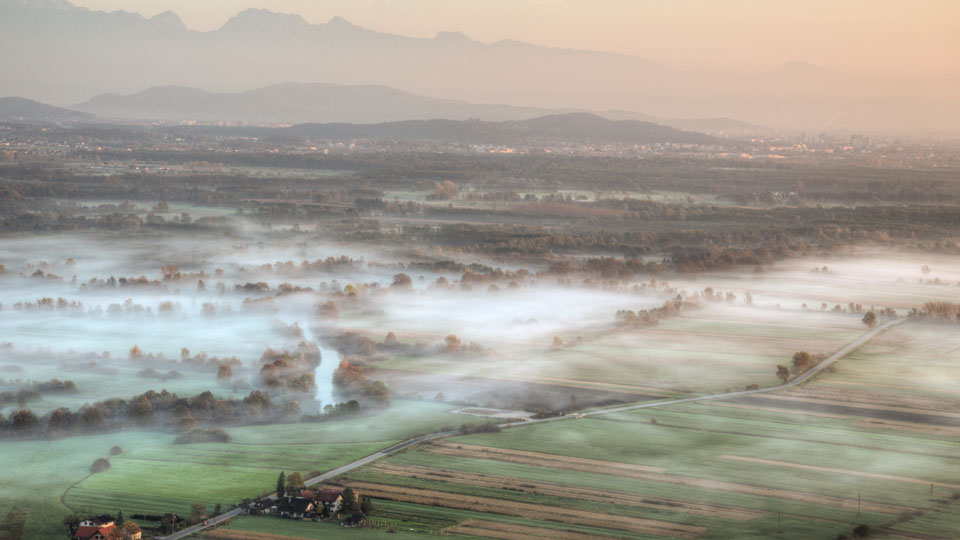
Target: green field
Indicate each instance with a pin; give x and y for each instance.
(704, 350)
(49, 478)
(35, 474)
(806, 471)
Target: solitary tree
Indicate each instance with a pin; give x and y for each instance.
(870, 319)
(445, 190)
(783, 373)
(401, 281)
(281, 485)
(802, 362)
(119, 520)
(198, 511)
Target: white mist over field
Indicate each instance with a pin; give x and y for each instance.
(56, 296)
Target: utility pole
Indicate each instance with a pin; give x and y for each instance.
(858, 503)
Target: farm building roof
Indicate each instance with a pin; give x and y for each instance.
(88, 531)
(328, 495)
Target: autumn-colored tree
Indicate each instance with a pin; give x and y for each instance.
(348, 374)
(783, 373)
(294, 484)
(224, 372)
(802, 361)
(870, 319)
(130, 530)
(328, 311)
(136, 353)
(270, 374)
(401, 281)
(140, 410)
(452, 343)
(445, 190)
(390, 340)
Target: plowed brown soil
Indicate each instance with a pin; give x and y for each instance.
(526, 510)
(559, 490)
(652, 474)
(508, 531)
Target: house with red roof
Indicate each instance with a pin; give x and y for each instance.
(94, 532)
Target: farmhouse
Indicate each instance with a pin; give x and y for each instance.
(330, 499)
(296, 508)
(91, 532)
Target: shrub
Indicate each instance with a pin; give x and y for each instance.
(116, 450)
(100, 465)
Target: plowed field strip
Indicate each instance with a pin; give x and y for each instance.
(617, 469)
(775, 410)
(540, 457)
(842, 471)
(229, 534)
(527, 510)
(507, 531)
(559, 490)
(910, 426)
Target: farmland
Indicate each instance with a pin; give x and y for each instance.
(736, 345)
(49, 478)
(721, 469)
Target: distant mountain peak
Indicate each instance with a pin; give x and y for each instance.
(169, 18)
(264, 21)
(340, 23)
(454, 37)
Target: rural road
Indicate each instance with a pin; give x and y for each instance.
(812, 372)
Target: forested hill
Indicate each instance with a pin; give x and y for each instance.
(559, 128)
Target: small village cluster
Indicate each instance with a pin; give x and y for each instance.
(310, 505)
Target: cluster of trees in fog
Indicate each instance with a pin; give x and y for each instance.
(23, 392)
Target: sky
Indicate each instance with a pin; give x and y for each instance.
(901, 38)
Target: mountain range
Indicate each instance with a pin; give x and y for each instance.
(297, 103)
(20, 110)
(57, 53)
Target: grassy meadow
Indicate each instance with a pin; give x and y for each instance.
(50, 478)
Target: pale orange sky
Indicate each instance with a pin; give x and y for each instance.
(898, 38)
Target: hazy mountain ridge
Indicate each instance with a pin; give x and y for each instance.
(57, 53)
(292, 103)
(296, 103)
(16, 109)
